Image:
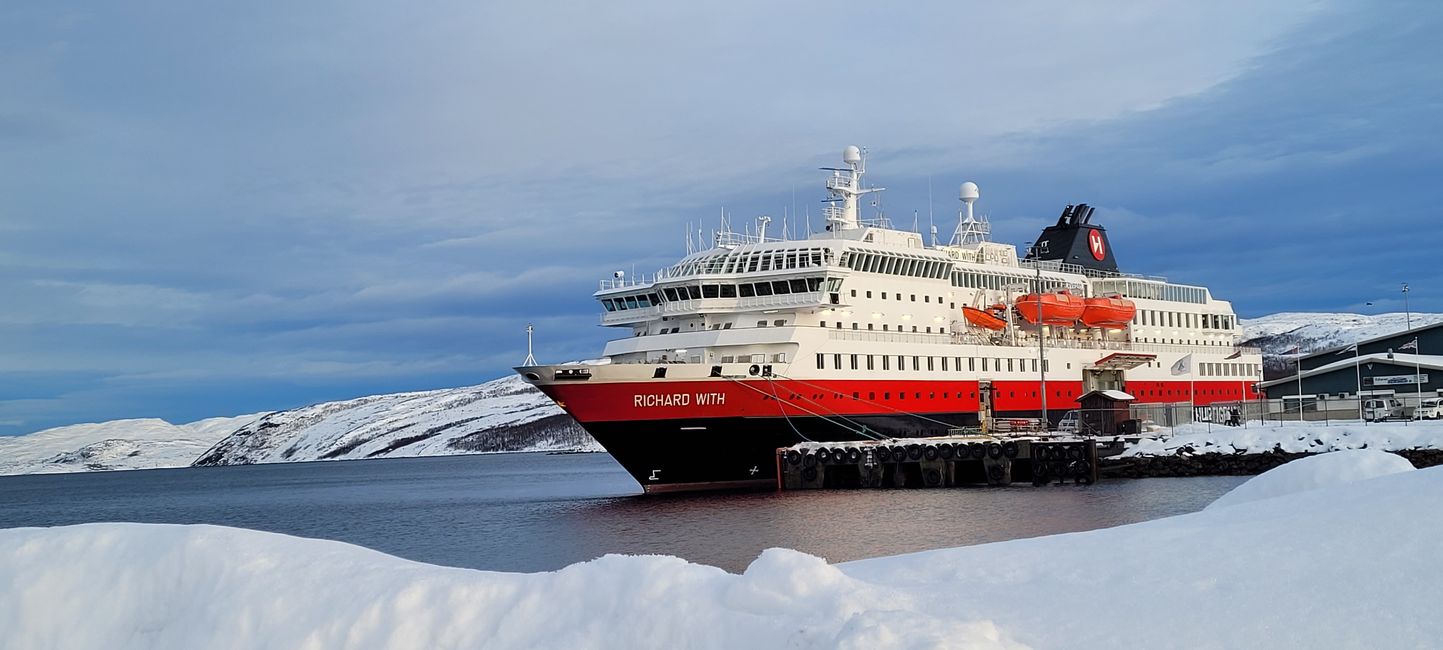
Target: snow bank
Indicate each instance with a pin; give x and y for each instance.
(1292, 437)
(1315, 472)
(1344, 566)
(166, 586)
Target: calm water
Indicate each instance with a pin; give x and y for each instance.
(532, 512)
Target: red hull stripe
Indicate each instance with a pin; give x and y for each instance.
(632, 401)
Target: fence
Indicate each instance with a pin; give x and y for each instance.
(1272, 412)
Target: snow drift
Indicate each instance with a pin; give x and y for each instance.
(1292, 437)
(1315, 472)
(1343, 566)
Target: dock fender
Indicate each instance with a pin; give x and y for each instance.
(994, 450)
(1009, 449)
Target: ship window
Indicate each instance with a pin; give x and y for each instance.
(1034, 365)
(854, 326)
(779, 322)
(887, 395)
(824, 323)
(854, 362)
(884, 295)
(926, 298)
(725, 327)
(901, 362)
(869, 363)
(870, 326)
(886, 362)
(761, 323)
(630, 302)
(929, 363)
(869, 294)
(885, 326)
(1044, 366)
(854, 293)
(837, 361)
(610, 306)
(799, 285)
(694, 290)
(710, 291)
(746, 290)
(670, 293)
(763, 288)
(1009, 364)
(916, 363)
(728, 290)
(901, 395)
(914, 297)
(780, 288)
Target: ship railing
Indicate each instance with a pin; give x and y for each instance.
(1078, 269)
(832, 213)
(623, 282)
(839, 182)
(886, 337)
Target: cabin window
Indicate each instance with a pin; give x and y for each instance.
(610, 306)
(886, 362)
(799, 286)
(780, 288)
(710, 291)
(971, 364)
(837, 361)
(694, 290)
(914, 297)
(926, 298)
(670, 293)
(869, 294)
(763, 288)
(814, 284)
(929, 363)
(869, 362)
(901, 362)
(728, 290)
(761, 323)
(916, 363)
(870, 326)
(1009, 365)
(854, 362)
(824, 323)
(884, 295)
(885, 326)
(746, 290)
(779, 322)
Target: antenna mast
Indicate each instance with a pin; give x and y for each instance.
(530, 360)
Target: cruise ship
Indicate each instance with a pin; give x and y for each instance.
(865, 331)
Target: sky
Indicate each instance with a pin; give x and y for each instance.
(212, 209)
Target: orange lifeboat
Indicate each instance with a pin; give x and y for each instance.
(987, 319)
(1113, 312)
(1061, 308)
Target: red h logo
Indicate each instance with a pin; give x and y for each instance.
(1094, 244)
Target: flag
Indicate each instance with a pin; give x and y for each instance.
(1183, 366)
(1411, 345)
(1351, 348)
(1234, 355)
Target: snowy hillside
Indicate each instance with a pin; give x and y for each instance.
(1278, 333)
(1318, 556)
(506, 414)
(119, 444)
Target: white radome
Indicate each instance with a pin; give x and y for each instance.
(970, 192)
(852, 154)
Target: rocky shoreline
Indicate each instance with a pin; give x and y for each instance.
(1215, 464)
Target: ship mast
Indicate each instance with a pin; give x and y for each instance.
(845, 186)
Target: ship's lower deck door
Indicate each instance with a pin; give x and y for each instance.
(984, 404)
(1100, 379)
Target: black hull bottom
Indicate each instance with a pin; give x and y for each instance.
(740, 453)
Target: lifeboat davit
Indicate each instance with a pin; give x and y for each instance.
(1113, 312)
(1061, 308)
(987, 319)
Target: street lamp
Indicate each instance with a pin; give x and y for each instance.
(1407, 314)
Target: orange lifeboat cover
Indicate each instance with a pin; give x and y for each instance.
(1061, 308)
(983, 319)
(1112, 312)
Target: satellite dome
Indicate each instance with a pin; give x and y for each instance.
(851, 154)
(969, 191)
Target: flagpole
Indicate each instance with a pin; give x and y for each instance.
(1417, 374)
(1299, 363)
(1358, 376)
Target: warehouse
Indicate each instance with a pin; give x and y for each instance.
(1390, 365)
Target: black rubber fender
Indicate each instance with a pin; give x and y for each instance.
(794, 457)
(821, 455)
(1076, 452)
(1009, 449)
(914, 452)
(932, 477)
(899, 453)
(838, 455)
(809, 474)
(995, 473)
(946, 451)
(882, 453)
(854, 455)
(930, 452)
(809, 460)
(976, 450)
(994, 450)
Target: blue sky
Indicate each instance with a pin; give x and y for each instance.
(212, 210)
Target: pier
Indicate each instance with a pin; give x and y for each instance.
(947, 461)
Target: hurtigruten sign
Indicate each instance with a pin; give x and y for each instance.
(1396, 380)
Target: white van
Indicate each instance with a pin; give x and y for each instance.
(1432, 409)
(1378, 409)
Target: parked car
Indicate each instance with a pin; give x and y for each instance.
(1377, 410)
(1431, 409)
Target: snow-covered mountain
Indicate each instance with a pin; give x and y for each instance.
(506, 414)
(1276, 334)
(118, 444)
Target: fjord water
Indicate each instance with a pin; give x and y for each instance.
(535, 512)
